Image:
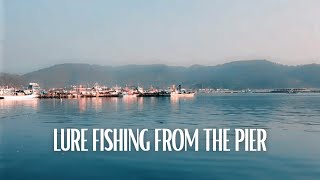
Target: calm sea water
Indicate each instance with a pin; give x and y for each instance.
(292, 122)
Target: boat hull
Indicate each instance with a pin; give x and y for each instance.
(129, 95)
(182, 94)
(26, 97)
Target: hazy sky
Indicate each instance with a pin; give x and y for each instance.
(1, 34)
(39, 33)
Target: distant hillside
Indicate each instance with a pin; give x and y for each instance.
(11, 80)
(234, 75)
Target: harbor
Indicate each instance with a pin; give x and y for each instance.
(33, 90)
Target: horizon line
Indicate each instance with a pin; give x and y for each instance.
(160, 64)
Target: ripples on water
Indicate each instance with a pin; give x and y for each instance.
(292, 122)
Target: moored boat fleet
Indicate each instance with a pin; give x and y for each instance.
(34, 91)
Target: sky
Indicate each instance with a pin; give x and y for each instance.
(1, 34)
(41, 33)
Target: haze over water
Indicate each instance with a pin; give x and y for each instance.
(292, 122)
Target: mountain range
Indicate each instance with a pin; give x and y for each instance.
(254, 74)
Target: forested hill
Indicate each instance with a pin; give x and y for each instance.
(255, 74)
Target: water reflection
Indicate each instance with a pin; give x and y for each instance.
(176, 100)
(11, 104)
(292, 123)
(82, 104)
(97, 103)
(129, 101)
(140, 103)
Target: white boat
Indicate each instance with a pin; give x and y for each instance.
(31, 92)
(126, 95)
(181, 92)
(19, 97)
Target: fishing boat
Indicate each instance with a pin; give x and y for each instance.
(31, 92)
(182, 94)
(129, 95)
(19, 97)
(155, 94)
(179, 92)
